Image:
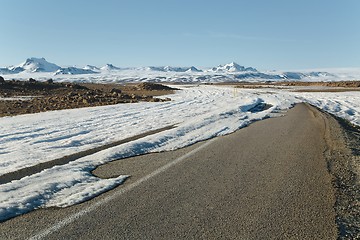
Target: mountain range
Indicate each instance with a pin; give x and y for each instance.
(36, 65)
(227, 71)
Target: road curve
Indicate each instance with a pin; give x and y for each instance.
(266, 181)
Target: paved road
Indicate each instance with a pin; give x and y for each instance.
(266, 181)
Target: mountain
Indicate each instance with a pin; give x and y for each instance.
(321, 74)
(15, 69)
(92, 68)
(180, 69)
(292, 75)
(193, 69)
(232, 67)
(172, 69)
(258, 75)
(151, 68)
(73, 71)
(109, 67)
(303, 75)
(5, 71)
(36, 65)
(11, 70)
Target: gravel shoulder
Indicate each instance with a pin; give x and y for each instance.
(343, 160)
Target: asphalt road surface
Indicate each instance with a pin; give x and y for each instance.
(266, 181)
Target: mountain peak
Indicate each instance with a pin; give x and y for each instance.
(91, 67)
(193, 69)
(109, 67)
(38, 65)
(233, 64)
(232, 67)
(36, 59)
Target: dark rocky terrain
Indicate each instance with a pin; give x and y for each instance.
(20, 97)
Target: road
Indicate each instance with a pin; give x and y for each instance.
(266, 181)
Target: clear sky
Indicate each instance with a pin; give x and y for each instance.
(267, 34)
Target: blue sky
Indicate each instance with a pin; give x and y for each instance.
(276, 34)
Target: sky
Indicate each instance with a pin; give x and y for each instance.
(276, 34)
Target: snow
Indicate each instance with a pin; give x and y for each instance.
(198, 112)
(343, 104)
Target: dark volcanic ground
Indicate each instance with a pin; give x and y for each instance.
(21, 97)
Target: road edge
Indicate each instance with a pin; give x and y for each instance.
(342, 156)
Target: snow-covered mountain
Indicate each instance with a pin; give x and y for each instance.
(35, 65)
(171, 69)
(232, 67)
(73, 70)
(181, 69)
(5, 71)
(15, 69)
(92, 68)
(193, 69)
(302, 75)
(109, 67)
(174, 69)
(41, 69)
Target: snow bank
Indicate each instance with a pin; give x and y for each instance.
(342, 104)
